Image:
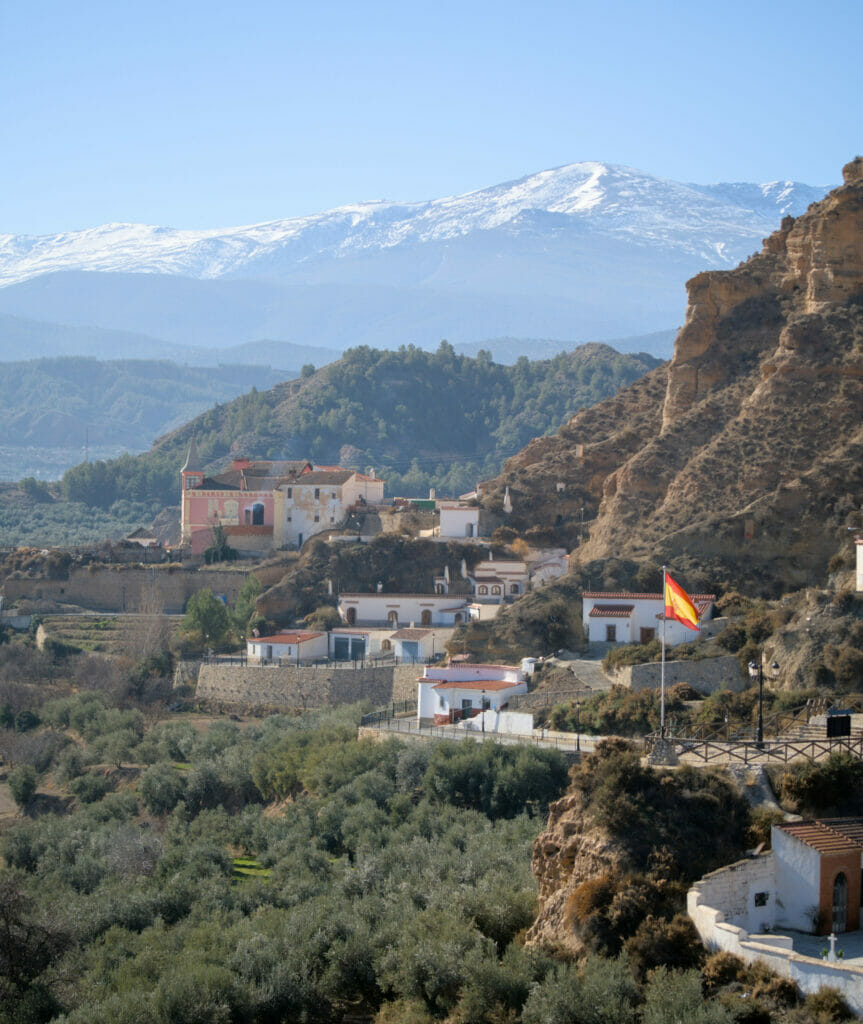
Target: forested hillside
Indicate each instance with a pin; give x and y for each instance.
(53, 407)
(420, 418)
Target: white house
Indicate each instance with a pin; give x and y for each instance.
(318, 500)
(458, 519)
(448, 695)
(626, 618)
(496, 579)
(290, 647)
(809, 882)
(420, 644)
(396, 610)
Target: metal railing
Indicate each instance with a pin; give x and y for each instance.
(571, 743)
(751, 752)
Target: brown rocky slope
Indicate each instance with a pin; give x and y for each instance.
(740, 460)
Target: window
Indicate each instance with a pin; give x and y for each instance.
(466, 704)
(483, 590)
(426, 617)
(317, 494)
(611, 634)
(495, 589)
(257, 514)
(290, 492)
(761, 899)
(514, 588)
(317, 517)
(393, 618)
(333, 495)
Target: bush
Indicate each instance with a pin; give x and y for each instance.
(827, 1004)
(161, 788)
(674, 944)
(89, 789)
(22, 784)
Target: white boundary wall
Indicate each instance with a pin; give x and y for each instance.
(716, 902)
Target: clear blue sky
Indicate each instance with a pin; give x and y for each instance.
(194, 114)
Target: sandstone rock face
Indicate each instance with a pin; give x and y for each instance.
(565, 855)
(738, 461)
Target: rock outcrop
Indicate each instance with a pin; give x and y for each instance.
(740, 459)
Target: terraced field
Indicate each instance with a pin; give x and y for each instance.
(101, 633)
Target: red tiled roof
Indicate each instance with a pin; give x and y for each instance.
(618, 611)
(284, 638)
(836, 835)
(476, 684)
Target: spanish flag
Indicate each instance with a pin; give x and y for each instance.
(678, 604)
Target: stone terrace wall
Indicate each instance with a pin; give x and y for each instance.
(706, 675)
(126, 589)
(293, 687)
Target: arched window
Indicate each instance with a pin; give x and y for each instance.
(351, 616)
(514, 588)
(458, 618)
(495, 589)
(386, 645)
(393, 618)
(483, 589)
(257, 514)
(426, 617)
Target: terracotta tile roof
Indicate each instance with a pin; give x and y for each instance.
(333, 477)
(618, 611)
(411, 634)
(284, 638)
(828, 836)
(476, 684)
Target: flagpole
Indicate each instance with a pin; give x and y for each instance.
(662, 673)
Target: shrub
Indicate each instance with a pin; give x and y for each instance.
(827, 1004)
(674, 944)
(22, 784)
(89, 789)
(161, 788)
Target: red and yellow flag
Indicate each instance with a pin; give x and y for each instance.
(678, 604)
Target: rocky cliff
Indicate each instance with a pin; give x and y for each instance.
(740, 460)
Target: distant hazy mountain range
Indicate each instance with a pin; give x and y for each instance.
(583, 252)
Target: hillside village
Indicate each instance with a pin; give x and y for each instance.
(633, 604)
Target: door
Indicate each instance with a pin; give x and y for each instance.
(341, 648)
(647, 635)
(358, 648)
(410, 650)
(840, 903)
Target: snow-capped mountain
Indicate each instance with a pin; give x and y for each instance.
(716, 224)
(585, 251)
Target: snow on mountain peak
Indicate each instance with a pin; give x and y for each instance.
(717, 222)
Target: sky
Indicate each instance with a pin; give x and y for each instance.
(189, 114)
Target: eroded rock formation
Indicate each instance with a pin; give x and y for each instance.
(740, 459)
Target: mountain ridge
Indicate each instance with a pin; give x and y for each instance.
(606, 194)
(739, 461)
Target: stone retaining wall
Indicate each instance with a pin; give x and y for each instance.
(127, 589)
(293, 687)
(706, 675)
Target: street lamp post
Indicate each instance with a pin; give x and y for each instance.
(756, 671)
